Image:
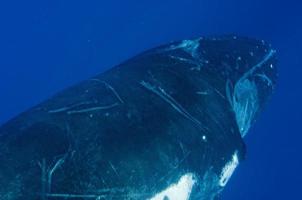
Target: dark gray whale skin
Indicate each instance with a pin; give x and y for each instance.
(166, 124)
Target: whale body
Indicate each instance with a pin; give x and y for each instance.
(167, 124)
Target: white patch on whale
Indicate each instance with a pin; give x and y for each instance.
(228, 170)
(178, 191)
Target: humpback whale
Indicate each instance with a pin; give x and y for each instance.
(167, 124)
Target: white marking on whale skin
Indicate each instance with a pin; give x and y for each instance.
(72, 109)
(244, 97)
(189, 46)
(178, 191)
(258, 65)
(265, 78)
(78, 196)
(170, 100)
(110, 87)
(228, 170)
(66, 108)
(202, 92)
(197, 64)
(180, 58)
(245, 104)
(92, 109)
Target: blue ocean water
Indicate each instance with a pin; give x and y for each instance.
(48, 45)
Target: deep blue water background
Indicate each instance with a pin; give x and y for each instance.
(47, 45)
